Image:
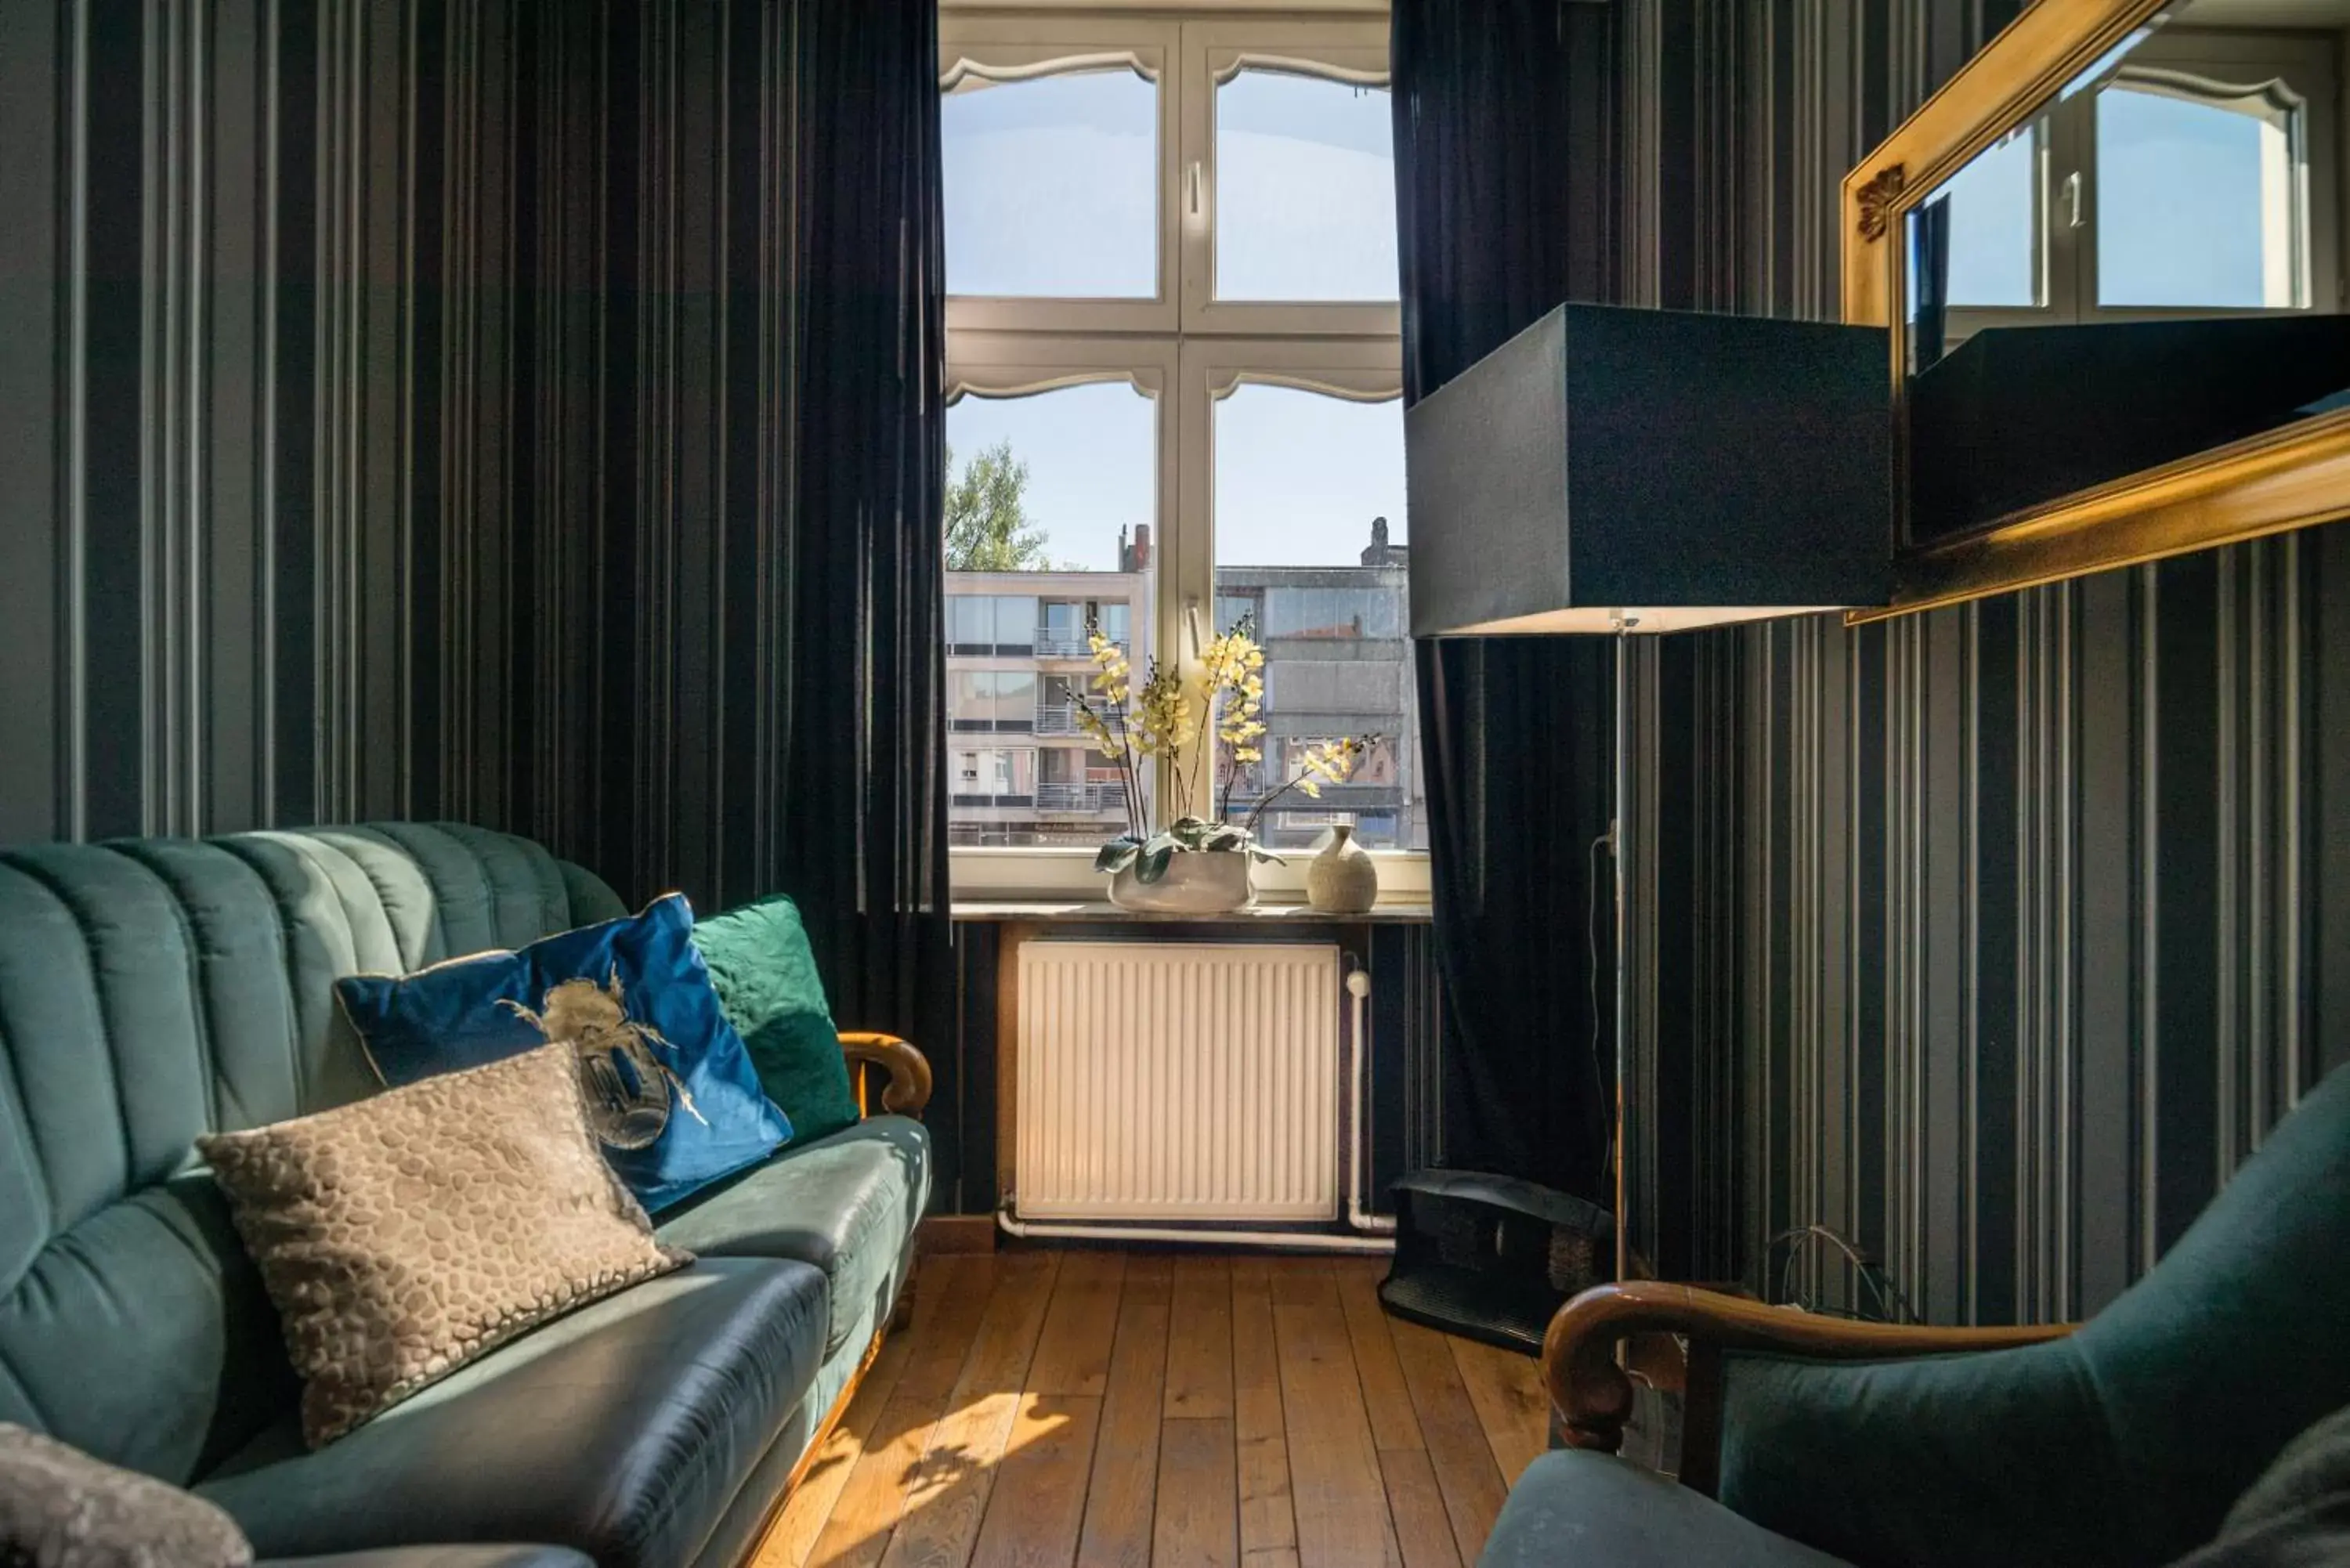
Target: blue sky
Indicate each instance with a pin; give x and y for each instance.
(2178, 211)
(1052, 188)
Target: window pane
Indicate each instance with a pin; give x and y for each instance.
(1051, 512)
(1052, 186)
(995, 777)
(1304, 189)
(2200, 200)
(965, 700)
(1015, 701)
(1016, 623)
(1332, 613)
(971, 624)
(1995, 234)
(1311, 541)
(1066, 481)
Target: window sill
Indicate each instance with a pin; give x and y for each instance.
(1100, 912)
(1067, 877)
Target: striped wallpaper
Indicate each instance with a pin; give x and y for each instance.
(2038, 916)
(1992, 937)
(398, 421)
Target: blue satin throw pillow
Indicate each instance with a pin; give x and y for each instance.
(670, 1092)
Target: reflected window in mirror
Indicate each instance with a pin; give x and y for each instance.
(2145, 270)
(2195, 170)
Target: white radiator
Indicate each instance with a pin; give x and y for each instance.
(1177, 1080)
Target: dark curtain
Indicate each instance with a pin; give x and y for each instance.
(1503, 187)
(863, 824)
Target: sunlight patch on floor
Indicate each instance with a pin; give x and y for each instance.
(1077, 1407)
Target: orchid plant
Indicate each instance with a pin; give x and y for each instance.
(1186, 720)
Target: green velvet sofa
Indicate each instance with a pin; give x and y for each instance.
(1812, 1442)
(152, 989)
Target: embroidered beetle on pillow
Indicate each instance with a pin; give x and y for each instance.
(626, 1085)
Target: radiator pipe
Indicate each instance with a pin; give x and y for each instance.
(1358, 1214)
(1278, 1241)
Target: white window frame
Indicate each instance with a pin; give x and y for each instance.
(1023, 48)
(1214, 52)
(1185, 349)
(1018, 364)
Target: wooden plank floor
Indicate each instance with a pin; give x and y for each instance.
(1133, 1409)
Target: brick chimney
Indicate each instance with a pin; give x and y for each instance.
(1135, 557)
(1379, 553)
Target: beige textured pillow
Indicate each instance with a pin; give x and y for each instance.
(406, 1234)
(61, 1509)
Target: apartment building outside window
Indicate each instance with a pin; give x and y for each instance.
(1061, 793)
(1174, 400)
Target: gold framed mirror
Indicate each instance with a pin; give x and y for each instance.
(2110, 256)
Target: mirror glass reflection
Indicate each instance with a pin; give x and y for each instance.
(2147, 268)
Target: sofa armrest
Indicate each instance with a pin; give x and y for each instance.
(909, 1088)
(1594, 1395)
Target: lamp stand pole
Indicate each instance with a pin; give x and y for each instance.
(1620, 849)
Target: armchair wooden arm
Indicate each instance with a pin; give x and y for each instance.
(1594, 1395)
(909, 1088)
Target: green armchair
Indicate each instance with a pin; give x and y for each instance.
(2120, 1444)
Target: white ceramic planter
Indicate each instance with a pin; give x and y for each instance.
(1198, 882)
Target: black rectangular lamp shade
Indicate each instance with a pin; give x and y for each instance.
(1675, 469)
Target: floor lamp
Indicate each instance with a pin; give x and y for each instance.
(1628, 473)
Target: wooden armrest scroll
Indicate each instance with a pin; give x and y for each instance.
(1594, 1397)
(909, 1072)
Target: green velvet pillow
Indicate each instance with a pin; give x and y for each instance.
(760, 960)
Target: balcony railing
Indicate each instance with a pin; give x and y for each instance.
(1087, 798)
(1061, 719)
(1059, 643)
(1079, 798)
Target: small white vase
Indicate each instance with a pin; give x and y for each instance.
(1197, 882)
(1343, 879)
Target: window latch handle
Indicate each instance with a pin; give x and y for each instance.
(1192, 181)
(2072, 200)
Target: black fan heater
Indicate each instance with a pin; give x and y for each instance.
(1493, 1257)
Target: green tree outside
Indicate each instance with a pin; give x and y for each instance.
(987, 527)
